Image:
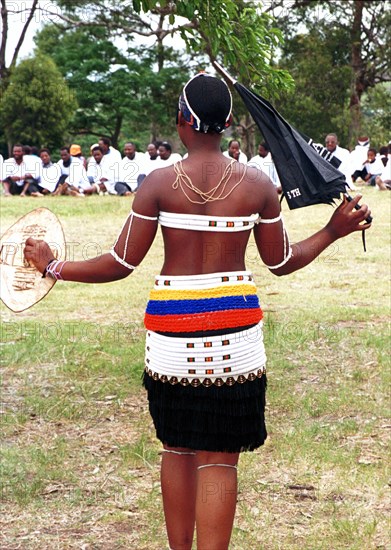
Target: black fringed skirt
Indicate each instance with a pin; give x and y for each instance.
(217, 419)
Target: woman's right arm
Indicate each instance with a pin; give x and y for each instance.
(131, 246)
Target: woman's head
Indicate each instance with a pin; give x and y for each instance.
(206, 104)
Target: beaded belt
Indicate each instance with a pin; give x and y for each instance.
(204, 303)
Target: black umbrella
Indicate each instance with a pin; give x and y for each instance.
(307, 171)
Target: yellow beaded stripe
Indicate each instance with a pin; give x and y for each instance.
(229, 290)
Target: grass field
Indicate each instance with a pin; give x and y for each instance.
(80, 462)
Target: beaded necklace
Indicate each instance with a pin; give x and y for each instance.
(183, 181)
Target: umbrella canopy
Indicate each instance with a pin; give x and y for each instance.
(306, 170)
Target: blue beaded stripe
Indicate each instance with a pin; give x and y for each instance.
(172, 307)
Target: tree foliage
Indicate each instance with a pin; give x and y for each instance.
(235, 32)
(320, 67)
(113, 88)
(37, 106)
(376, 108)
(363, 39)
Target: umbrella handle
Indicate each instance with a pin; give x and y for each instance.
(369, 219)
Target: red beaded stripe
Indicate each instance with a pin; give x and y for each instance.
(214, 320)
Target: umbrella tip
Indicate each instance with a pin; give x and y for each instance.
(224, 73)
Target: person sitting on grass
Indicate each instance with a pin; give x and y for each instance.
(132, 170)
(73, 176)
(372, 167)
(98, 174)
(18, 174)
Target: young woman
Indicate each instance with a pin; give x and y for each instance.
(205, 360)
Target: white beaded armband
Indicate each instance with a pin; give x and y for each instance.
(54, 269)
(288, 256)
(118, 258)
(272, 220)
(284, 261)
(121, 260)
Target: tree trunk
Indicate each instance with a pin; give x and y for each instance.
(117, 131)
(357, 86)
(3, 45)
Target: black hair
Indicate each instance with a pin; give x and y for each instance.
(44, 150)
(97, 148)
(106, 141)
(166, 145)
(65, 148)
(211, 101)
(265, 146)
(233, 141)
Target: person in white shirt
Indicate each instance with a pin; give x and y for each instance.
(73, 178)
(49, 175)
(264, 162)
(132, 170)
(166, 157)
(371, 168)
(50, 172)
(17, 174)
(383, 182)
(343, 155)
(151, 156)
(111, 159)
(234, 151)
(359, 154)
(99, 174)
(152, 151)
(75, 151)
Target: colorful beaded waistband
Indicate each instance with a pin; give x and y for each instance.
(203, 303)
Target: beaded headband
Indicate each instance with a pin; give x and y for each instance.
(194, 120)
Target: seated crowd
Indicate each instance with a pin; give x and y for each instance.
(32, 172)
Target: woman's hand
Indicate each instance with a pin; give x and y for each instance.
(38, 254)
(346, 219)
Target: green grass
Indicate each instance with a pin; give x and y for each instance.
(79, 459)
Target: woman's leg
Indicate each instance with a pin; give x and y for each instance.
(178, 481)
(216, 499)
